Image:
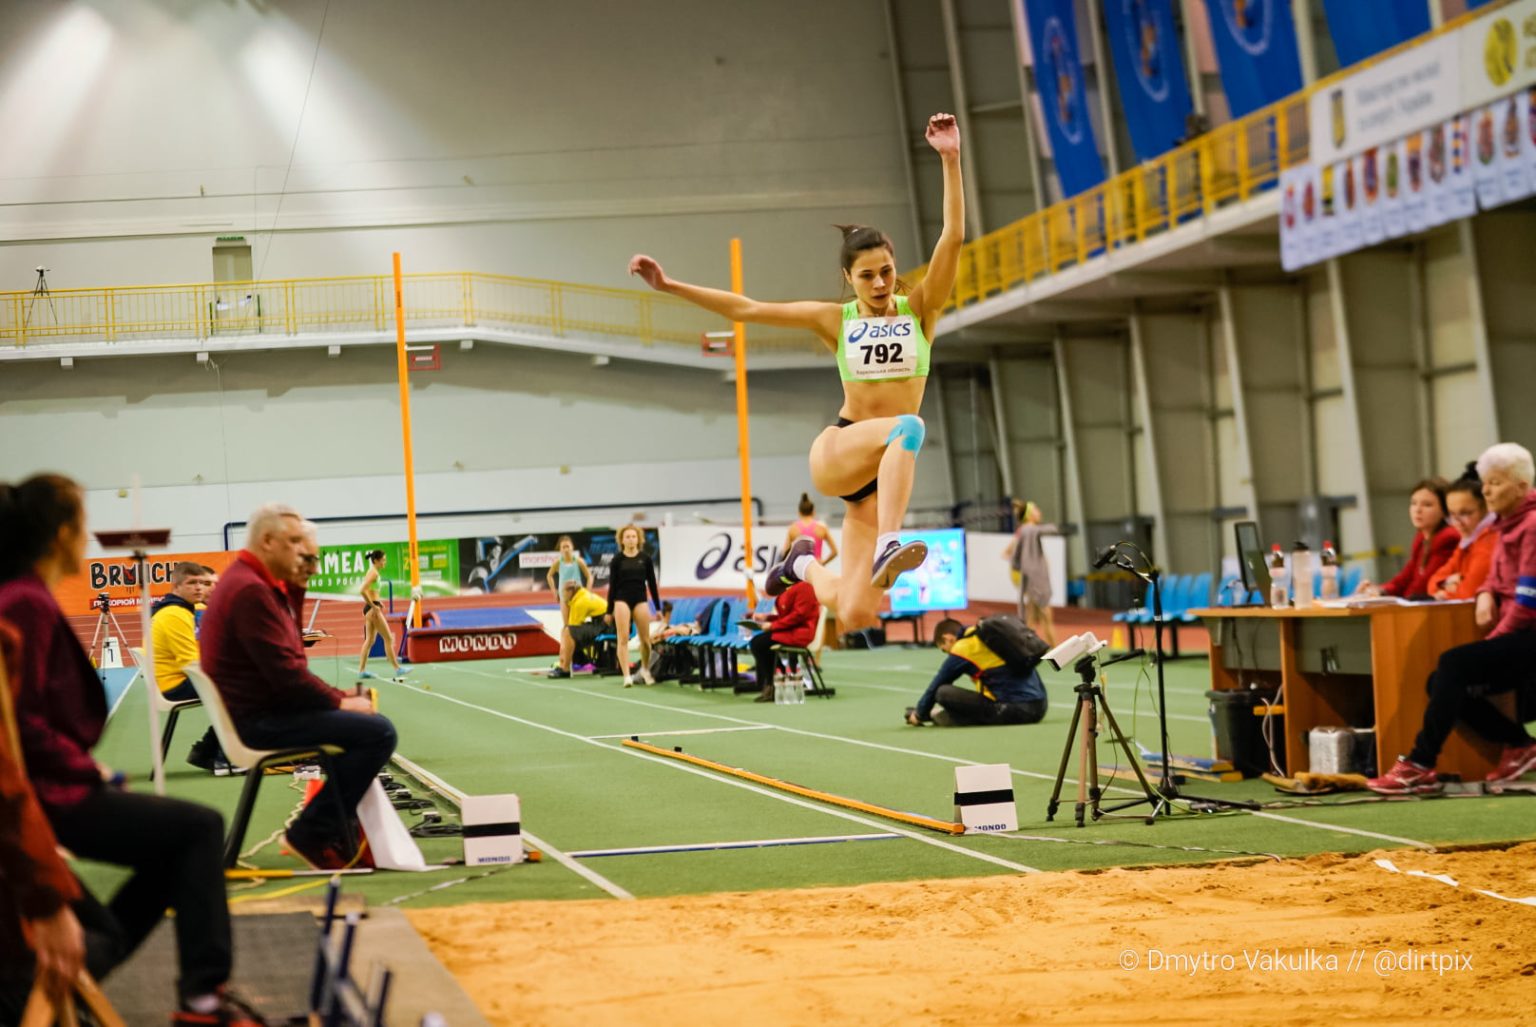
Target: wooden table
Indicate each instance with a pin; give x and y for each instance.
(1361, 667)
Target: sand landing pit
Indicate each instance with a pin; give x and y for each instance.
(1325, 939)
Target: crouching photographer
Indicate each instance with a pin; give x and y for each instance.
(999, 654)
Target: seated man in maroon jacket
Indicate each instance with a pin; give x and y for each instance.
(253, 652)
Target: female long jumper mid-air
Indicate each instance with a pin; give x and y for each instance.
(881, 339)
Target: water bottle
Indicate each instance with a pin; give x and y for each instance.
(780, 691)
(1279, 595)
(1301, 575)
(1330, 585)
(797, 689)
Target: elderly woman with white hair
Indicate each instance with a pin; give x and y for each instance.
(1503, 661)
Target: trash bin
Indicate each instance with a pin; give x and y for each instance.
(1238, 731)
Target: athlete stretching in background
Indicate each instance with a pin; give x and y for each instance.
(881, 339)
(375, 624)
(807, 526)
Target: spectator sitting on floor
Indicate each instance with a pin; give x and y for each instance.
(1002, 696)
(253, 652)
(586, 617)
(1463, 574)
(173, 848)
(792, 623)
(173, 632)
(1433, 543)
(1506, 660)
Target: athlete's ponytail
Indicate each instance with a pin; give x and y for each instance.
(807, 508)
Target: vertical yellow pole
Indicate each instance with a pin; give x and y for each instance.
(743, 432)
(402, 370)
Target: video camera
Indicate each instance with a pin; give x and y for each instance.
(1074, 649)
(102, 602)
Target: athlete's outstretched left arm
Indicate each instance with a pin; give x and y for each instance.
(928, 299)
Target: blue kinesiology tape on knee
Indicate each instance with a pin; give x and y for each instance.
(909, 431)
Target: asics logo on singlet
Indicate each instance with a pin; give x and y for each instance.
(900, 330)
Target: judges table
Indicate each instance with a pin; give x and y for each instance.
(1362, 667)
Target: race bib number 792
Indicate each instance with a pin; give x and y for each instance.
(880, 347)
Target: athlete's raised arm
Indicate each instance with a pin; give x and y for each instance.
(928, 299)
(812, 315)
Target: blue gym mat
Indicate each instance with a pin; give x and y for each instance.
(483, 617)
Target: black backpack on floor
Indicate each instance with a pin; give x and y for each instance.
(1013, 642)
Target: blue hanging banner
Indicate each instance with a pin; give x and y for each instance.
(1361, 30)
(1063, 98)
(1150, 72)
(1256, 49)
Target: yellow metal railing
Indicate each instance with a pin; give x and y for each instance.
(293, 306)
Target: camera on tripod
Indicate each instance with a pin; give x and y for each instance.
(102, 602)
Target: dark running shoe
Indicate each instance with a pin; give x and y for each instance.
(559, 672)
(232, 1011)
(206, 757)
(782, 574)
(322, 853)
(897, 560)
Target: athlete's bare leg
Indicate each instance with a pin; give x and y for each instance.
(621, 644)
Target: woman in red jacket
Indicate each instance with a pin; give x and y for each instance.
(173, 848)
(793, 622)
(1463, 574)
(1505, 660)
(1433, 542)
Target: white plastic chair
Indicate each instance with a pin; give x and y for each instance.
(170, 708)
(256, 761)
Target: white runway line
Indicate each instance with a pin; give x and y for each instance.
(1347, 830)
(423, 774)
(758, 843)
(689, 731)
(939, 756)
(662, 761)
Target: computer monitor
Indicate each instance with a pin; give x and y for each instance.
(1250, 560)
(939, 584)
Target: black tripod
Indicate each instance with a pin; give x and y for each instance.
(1090, 701)
(1166, 786)
(106, 625)
(40, 289)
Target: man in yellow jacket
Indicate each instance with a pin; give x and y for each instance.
(173, 631)
(584, 622)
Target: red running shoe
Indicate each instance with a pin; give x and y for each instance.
(1516, 762)
(1406, 778)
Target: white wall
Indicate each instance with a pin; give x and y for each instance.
(514, 137)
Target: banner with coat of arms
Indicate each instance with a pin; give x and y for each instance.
(1058, 71)
(1149, 70)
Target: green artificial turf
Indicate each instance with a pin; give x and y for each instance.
(491, 727)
